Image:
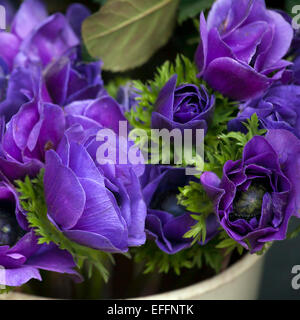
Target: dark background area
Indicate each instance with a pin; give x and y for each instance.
(277, 276)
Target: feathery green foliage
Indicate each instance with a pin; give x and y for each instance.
(32, 200)
(196, 256)
(229, 146)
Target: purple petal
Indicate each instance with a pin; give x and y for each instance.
(30, 14)
(76, 14)
(65, 196)
(165, 100)
(235, 80)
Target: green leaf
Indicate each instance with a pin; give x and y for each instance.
(32, 200)
(125, 33)
(191, 8)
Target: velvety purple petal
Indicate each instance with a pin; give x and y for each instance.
(283, 35)
(52, 39)
(57, 78)
(93, 240)
(211, 183)
(244, 40)
(30, 14)
(289, 158)
(9, 44)
(165, 100)
(106, 112)
(176, 228)
(52, 128)
(81, 163)
(15, 170)
(18, 276)
(217, 48)
(76, 14)
(23, 123)
(65, 196)
(201, 53)
(51, 258)
(235, 80)
(159, 121)
(154, 226)
(227, 15)
(260, 152)
(101, 214)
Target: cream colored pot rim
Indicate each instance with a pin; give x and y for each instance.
(186, 293)
(206, 286)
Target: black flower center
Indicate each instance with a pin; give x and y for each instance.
(10, 231)
(168, 202)
(248, 204)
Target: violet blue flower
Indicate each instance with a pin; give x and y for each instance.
(241, 45)
(279, 108)
(259, 193)
(68, 79)
(37, 127)
(24, 84)
(20, 255)
(167, 221)
(35, 37)
(184, 107)
(99, 206)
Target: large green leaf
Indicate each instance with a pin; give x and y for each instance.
(191, 8)
(125, 33)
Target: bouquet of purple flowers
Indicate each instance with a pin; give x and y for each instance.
(177, 172)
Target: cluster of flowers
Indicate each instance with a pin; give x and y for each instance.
(52, 105)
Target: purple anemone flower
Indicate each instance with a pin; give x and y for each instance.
(184, 107)
(259, 193)
(279, 108)
(24, 85)
(167, 221)
(21, 256)
(99, 205)
(241, 46)
(68, 79)
(37, 127)
(35, 37)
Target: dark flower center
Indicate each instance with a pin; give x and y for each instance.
(10, 231)
(168, 202)
(49, 145)
(248, 204)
